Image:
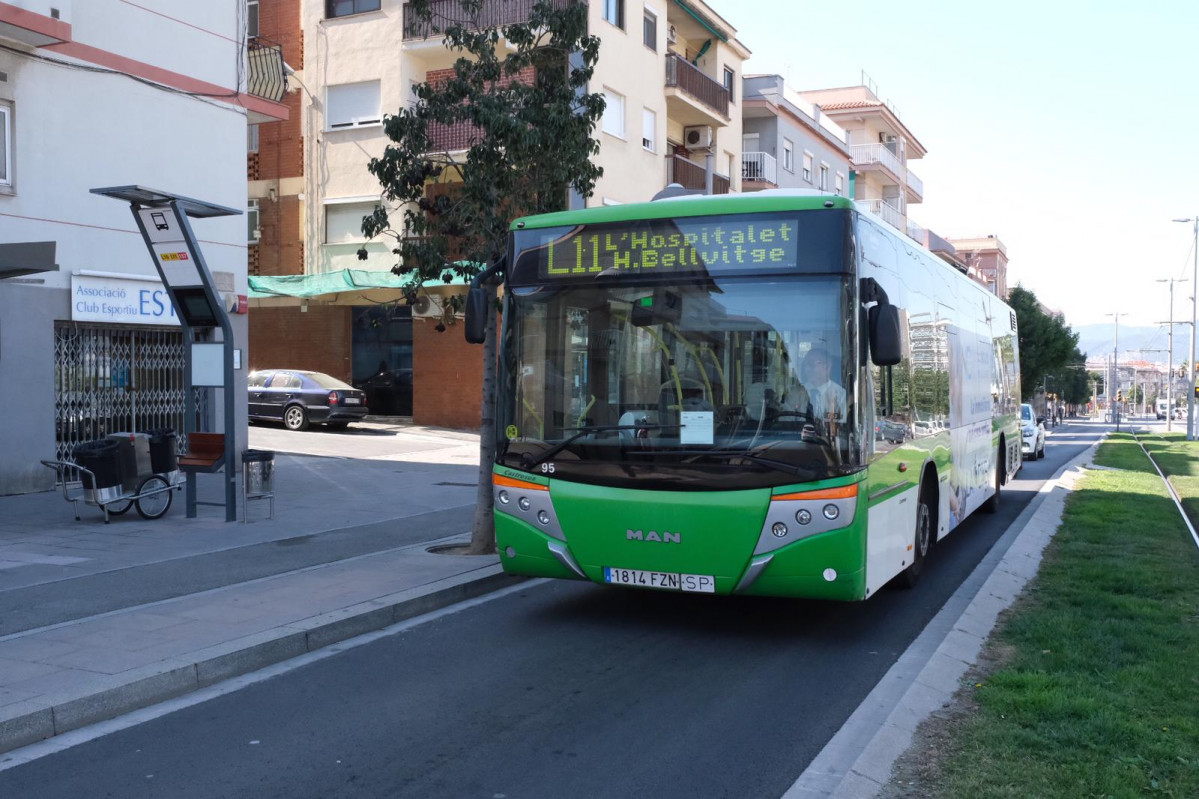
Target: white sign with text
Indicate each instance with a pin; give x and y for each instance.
(120, 301)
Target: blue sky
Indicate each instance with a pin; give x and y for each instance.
(1068, 129)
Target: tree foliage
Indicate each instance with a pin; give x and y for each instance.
(1047, 344)
(518, 93)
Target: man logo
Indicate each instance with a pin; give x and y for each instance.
(653, 535)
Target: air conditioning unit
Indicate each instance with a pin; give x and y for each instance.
(423, 306)
(886, 138)
(698, 137)
(672, 35)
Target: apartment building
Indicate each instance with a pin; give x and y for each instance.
(880, 149)
(101, 93)
(788, 143)
(986, 257)
(670, 71)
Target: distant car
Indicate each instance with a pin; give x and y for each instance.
(1032, 433)
(892, 431)
(388, 393)
(300, 398)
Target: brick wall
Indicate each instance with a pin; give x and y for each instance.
(281, 144)
(461, 135)
(280, 250)
(318, 339)
(447, 377)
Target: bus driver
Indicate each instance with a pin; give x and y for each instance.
(827, 397)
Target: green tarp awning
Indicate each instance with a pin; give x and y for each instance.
(305, 286)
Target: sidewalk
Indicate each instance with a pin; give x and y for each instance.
(98, 620)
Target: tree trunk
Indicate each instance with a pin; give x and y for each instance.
(482, 537)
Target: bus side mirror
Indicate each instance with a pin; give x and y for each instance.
(476, 315)
(886, 349)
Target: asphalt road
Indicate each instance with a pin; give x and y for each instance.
(559, 690)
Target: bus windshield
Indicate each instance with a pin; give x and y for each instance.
(692, 384)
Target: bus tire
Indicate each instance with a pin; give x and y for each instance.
(992, 503)
(925, 533)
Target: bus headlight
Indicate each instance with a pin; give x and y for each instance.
(543, 517)
(779, 529)
(504, 498)
(524, 503)
(831, 511)
(803, 516)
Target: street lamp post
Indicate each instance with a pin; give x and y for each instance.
(1170, 362)
(1116, 372)
(1194, 220)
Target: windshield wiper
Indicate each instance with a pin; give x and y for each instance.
(528, 462)
(782, 466)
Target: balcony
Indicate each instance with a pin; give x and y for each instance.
(878, 155)
(887, 212)
(692, 97)
(265, 76)
(690, 175)
(915, 188)
(492, 13)
(758, 171)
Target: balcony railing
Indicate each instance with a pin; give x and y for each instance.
(492, 13)
(265, 76)
(887, 212)
(684, 75)
(690, 175)
(877, 154)
(915, 183)
(759, 166)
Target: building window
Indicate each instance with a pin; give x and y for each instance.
(839, 186)
(649, 30)
(807, 167)
(649, 127)
(788, 155)
(824, 177)
(729, 77)
(613, 113)
(5, 145)
(252, 19)
(343, 221)
(344, 8)
(251, 138)
(252, 218)
(614, 12)
(353, 105)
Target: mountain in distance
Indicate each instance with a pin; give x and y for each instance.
(1097, 340)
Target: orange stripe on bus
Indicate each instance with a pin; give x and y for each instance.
(844, 492)
(500, 480)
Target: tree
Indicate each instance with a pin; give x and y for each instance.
(1046, 342)
(1076, 383)
(528, 119)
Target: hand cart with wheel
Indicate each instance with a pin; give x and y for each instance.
(152, 496)
(118, 475)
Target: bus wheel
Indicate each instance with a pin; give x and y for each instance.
(992, 504)
(921, 544)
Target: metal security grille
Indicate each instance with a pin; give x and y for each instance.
(110, 379)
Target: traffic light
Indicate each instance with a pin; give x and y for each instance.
(1119, 395)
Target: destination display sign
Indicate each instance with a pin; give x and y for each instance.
(680, 246)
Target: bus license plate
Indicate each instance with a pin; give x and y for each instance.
(668, 581)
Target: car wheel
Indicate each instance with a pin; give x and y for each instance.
(1041, 451)
(921, 543)
(295, 418)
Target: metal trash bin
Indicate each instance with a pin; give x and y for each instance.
(257, 479)
(102, 459)
(135, 457)
(164, 452)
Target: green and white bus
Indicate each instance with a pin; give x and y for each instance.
(770, 393)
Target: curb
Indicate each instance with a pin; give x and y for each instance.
(171, 678)
(857, 761)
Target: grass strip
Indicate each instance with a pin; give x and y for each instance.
(1097, 693)
(1179, 460)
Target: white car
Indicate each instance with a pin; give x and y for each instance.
(1032, 433)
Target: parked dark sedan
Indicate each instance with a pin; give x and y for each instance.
(299, 398)
(389, 393)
